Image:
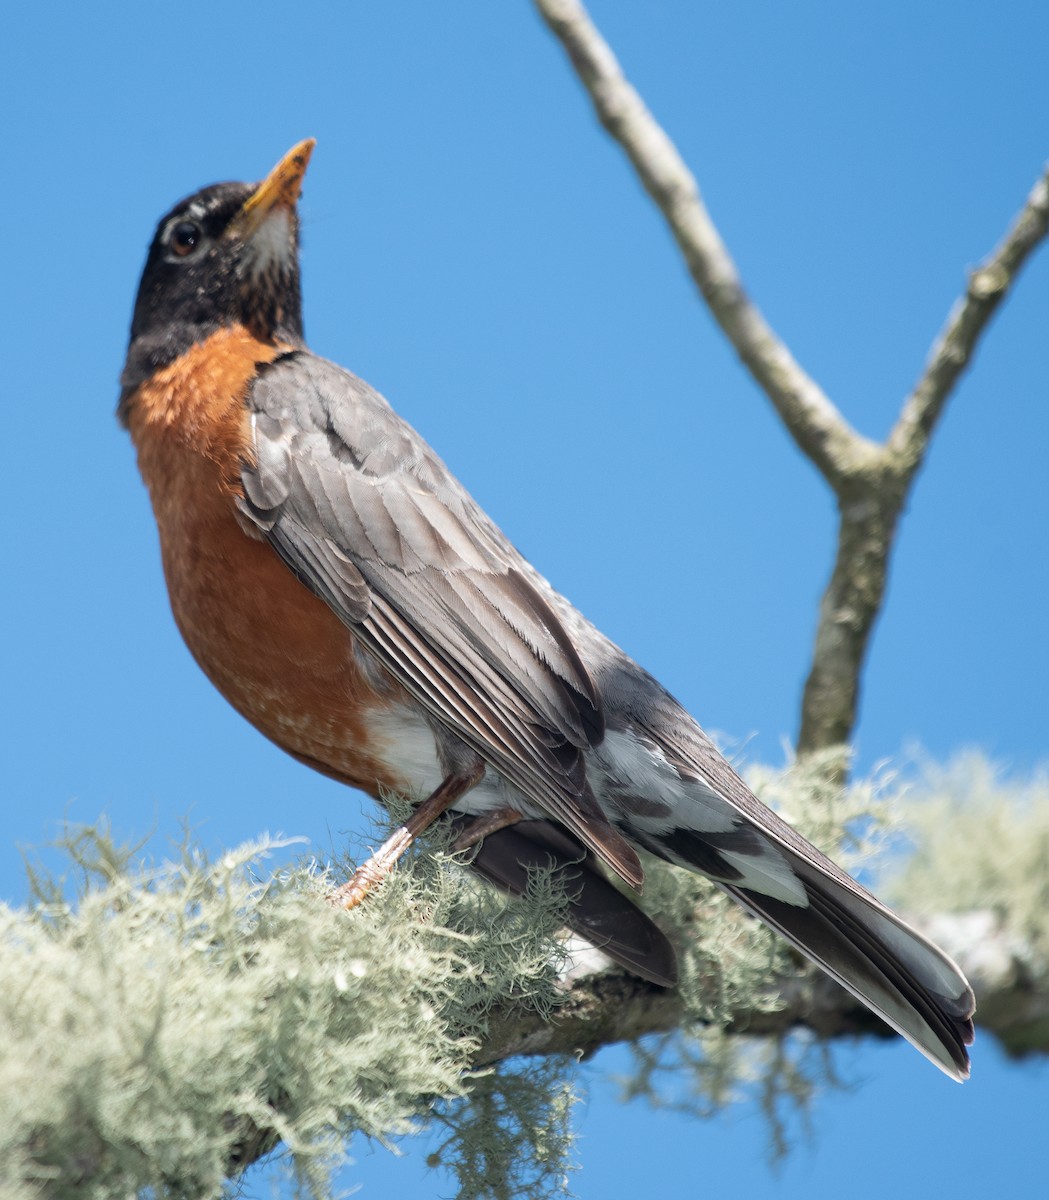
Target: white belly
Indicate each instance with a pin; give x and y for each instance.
(405, 740)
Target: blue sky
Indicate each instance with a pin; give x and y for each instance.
(477, 249)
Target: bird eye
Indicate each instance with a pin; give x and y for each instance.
(184, 238)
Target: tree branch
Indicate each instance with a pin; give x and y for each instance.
(868, 514)
(223, 1014)
(953, 349)
(813, 421)
(601, 1009)
(870, 480)
(871, 500)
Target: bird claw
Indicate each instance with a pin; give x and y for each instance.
(371, 872)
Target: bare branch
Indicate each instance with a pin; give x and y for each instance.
(814, 422)
(953, 349)
(871, 500)
(871, 480)
(869, 511)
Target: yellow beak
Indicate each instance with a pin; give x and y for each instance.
(280, 189)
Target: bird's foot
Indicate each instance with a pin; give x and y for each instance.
(373, 871)
(382, 862)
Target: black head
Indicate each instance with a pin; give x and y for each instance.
(227, 255)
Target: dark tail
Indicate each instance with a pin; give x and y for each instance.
(597, 911)
(899, 974)
(879, 958)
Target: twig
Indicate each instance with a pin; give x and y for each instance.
(871, 480)
(953, 349)
(812, 419)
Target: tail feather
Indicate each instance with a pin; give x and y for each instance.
(597, 911)
(880, 959)
(890, 967)
(720, 829)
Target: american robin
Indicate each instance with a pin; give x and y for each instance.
(347, 595)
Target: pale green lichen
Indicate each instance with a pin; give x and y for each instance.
(510, 1137)
(145, 1022)
(980, 842)
(153, 1018)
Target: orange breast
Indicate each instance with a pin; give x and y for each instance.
(275, 651)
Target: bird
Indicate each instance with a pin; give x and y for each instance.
(346, 594)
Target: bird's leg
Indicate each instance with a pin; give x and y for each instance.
(484, 824)
(382, 862)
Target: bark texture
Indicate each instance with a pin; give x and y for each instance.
(870, 480)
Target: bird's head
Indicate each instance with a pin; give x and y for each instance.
(227, 255)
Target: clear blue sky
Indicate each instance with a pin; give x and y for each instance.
(477, 248)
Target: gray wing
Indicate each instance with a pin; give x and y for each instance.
(371, 520)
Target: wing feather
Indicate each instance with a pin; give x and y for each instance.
(369, 518)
